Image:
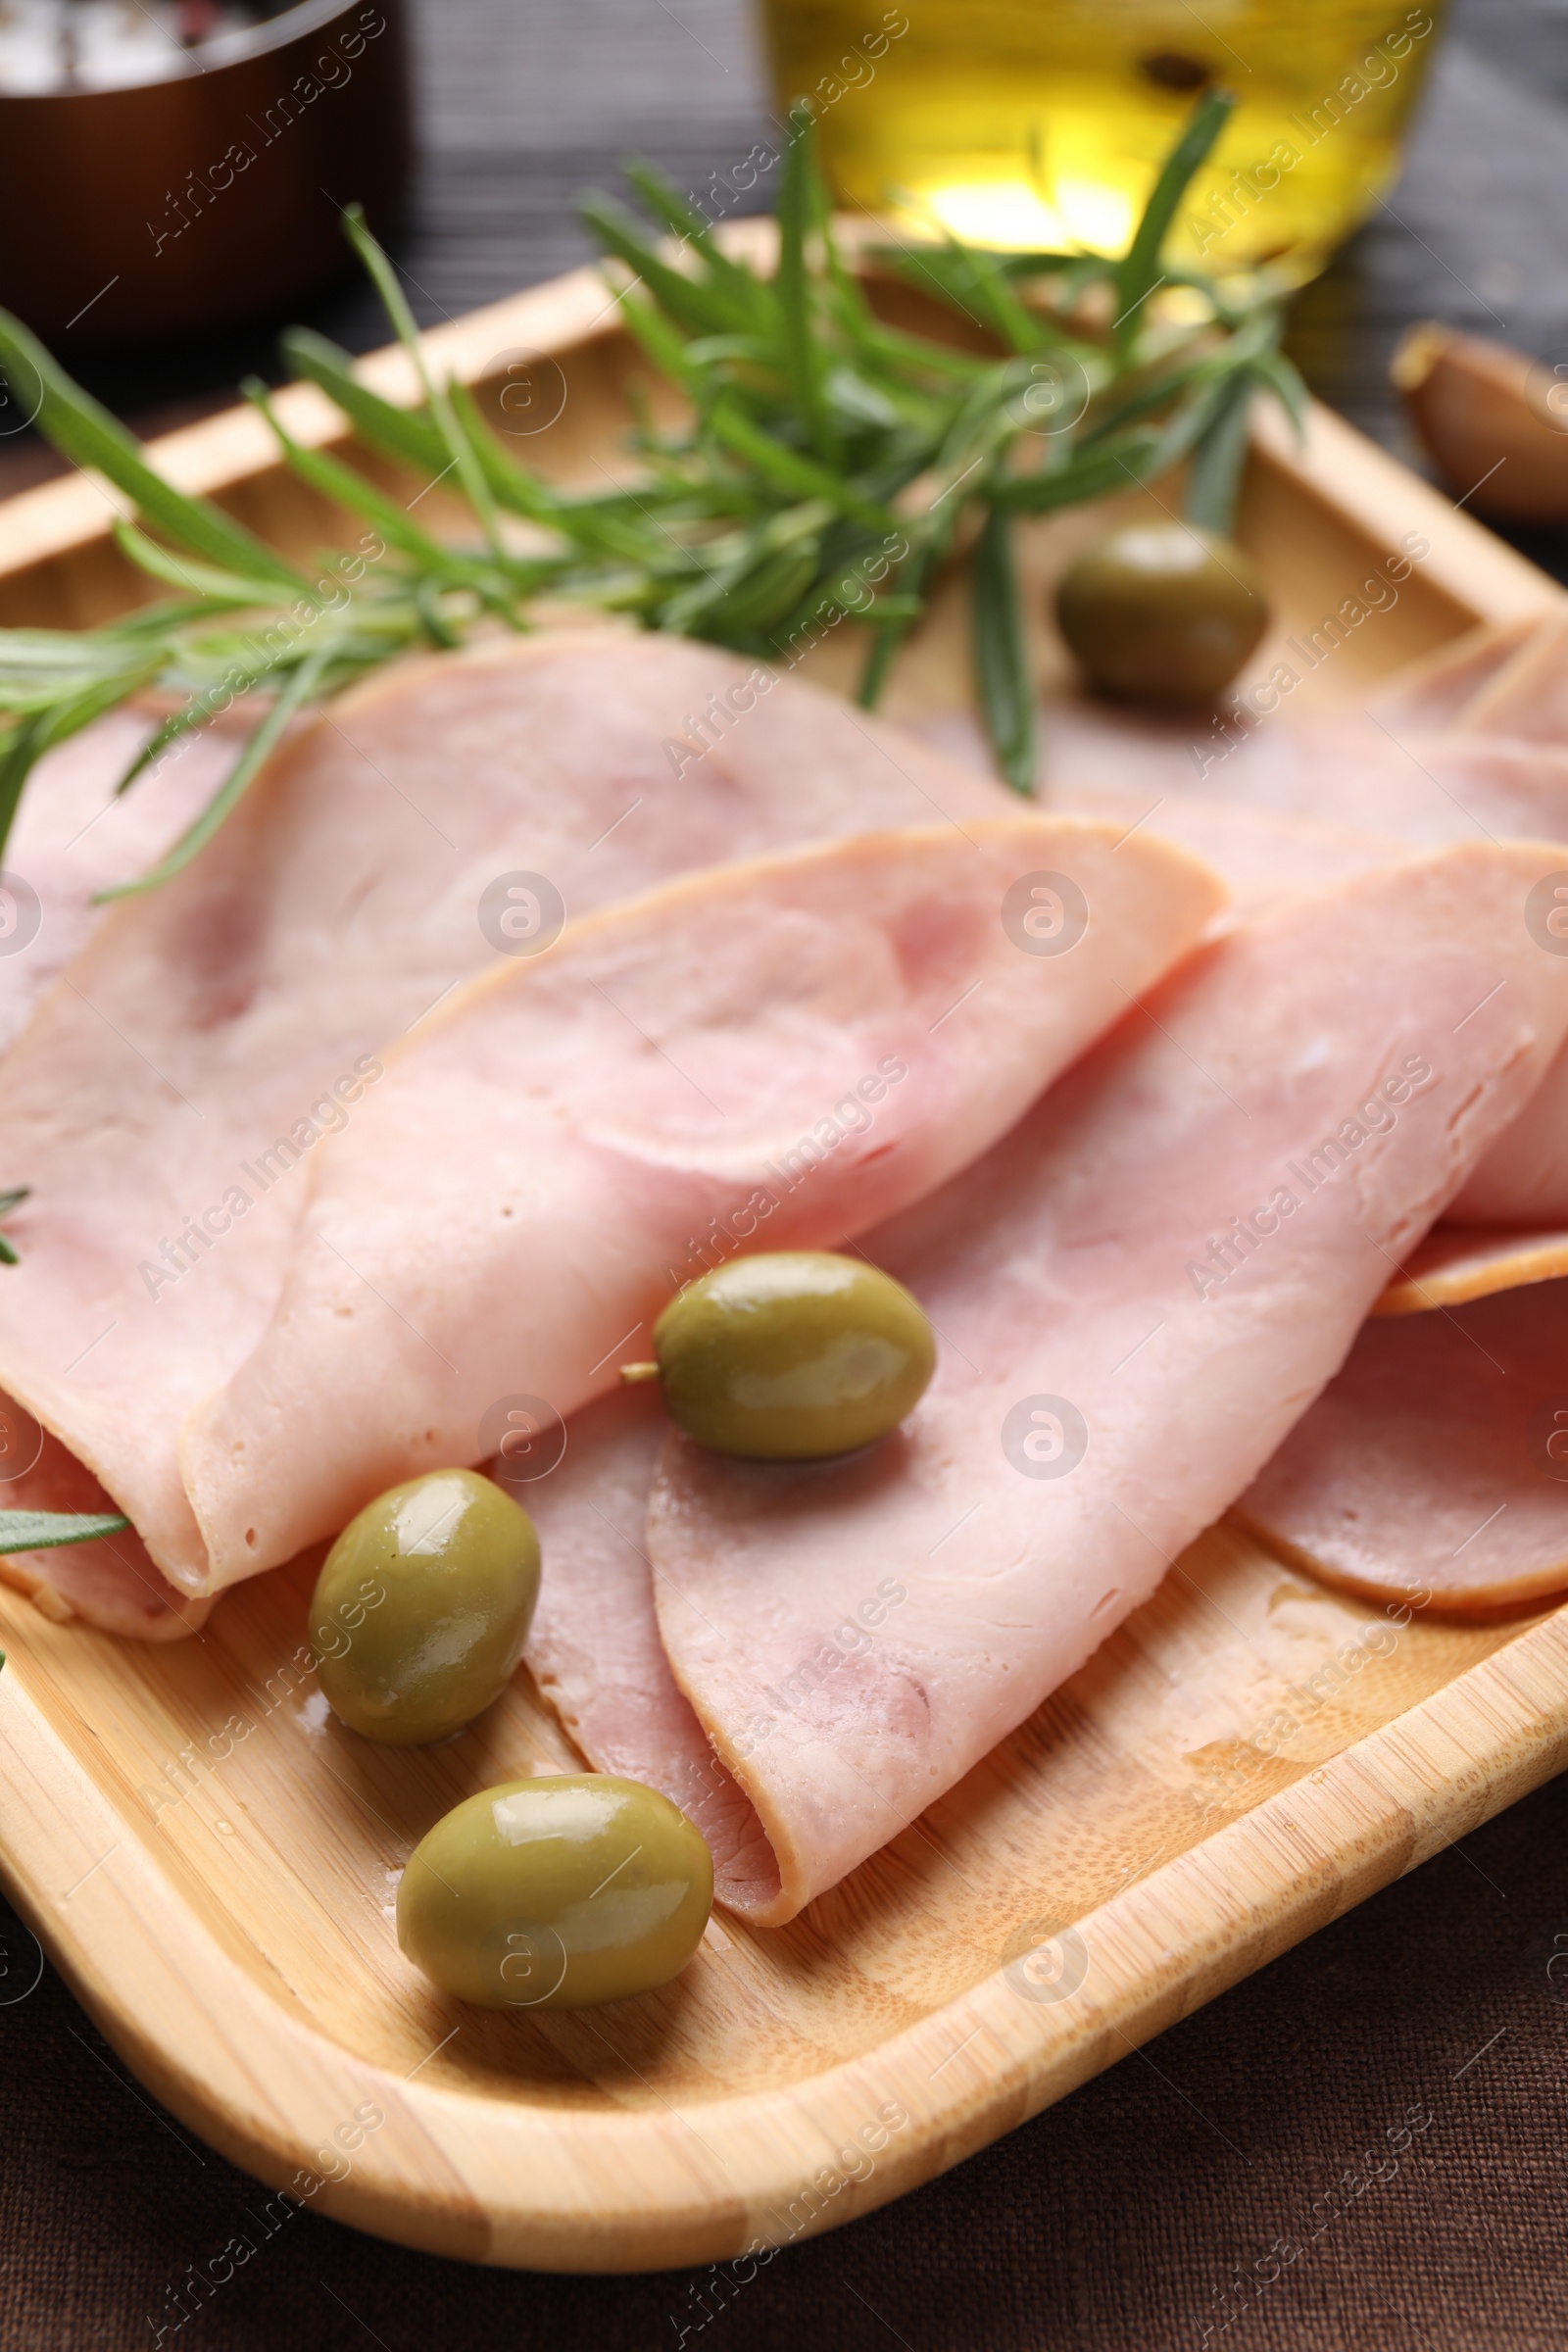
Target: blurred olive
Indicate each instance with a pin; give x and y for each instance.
(557, 1893)
(423, 1605)
(1163, 613)
(791, 1355)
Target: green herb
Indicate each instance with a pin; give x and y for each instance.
(7, 1201)
(831, 466)
(1000, 659)
(45, 1530)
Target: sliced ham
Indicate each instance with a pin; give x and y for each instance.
(111, 1583)
(1435, 1465)
(1470, 744)
(1261, 857)
(1522, 1183)
(1424, 789)
(1419, 1442)
(594, 1647)
(1137, 774)
(1525, 697)
(1440, 689)
(1457, 748)
(167, 1095)
(1130, 1319)
(1504, 765)
(560, 1146)
(1379, 1486)
(73, 839)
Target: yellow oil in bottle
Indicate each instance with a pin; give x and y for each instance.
(1042, 123)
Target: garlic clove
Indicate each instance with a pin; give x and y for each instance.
(1495, 420)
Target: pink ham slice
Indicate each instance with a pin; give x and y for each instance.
(1522, 1183)
(1355, 774)
(1434, 1466)
(1503, 764)
(1527, 696)
(1441, 689)
(1261, 857)
(1470, 744)
(554, 1152)
(174, 1082)
(854, 1636)
(73, 839)
(1420, 1441)
(111, 1583)
(1456, 748)
(594, 1646)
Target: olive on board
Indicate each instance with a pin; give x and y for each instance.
(791, 1356)
(1163, 613)
(422, 1608)
(557, 1893)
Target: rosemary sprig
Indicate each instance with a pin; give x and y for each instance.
(84, 432)
(831, 467)
(1139, 271)
(45, 1530)
(1000, 659)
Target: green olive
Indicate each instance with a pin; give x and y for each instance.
(1163, 613)
(422, 1608)
(557, 1893)
(792, 1355)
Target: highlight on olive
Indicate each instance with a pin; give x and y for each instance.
(559, 1892)
(1163, 613)
(423, 1606)
(791, 1355)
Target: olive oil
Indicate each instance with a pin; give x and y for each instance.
(1042, 123)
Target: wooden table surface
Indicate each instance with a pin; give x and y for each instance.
(1408, 2059)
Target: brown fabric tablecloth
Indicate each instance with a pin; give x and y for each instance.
(1364, 2145)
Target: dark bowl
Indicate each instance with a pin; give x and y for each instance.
(209, 198)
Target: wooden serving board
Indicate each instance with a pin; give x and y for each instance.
(212, 1862)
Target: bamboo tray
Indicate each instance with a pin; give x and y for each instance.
(210, 1862)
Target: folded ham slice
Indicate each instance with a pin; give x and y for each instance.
(1131, 1318)
(73, 839)
(1382, 1485)
(1453, 747)
(1525, 696)
(169, 1094)
(1435, 1466)
(1261, 856)
(1353, 775)
(1470, 744)
(1522, 1182)
(560, 1147)
(113, 1582)
(1441, 689)
(594, 1647)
